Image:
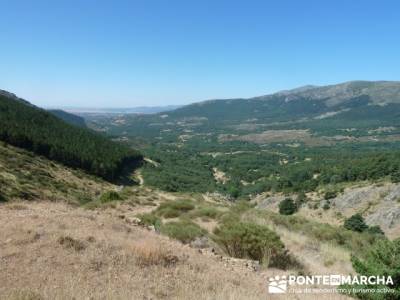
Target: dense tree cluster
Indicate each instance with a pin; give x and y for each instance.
(34, 129)
(251, 169)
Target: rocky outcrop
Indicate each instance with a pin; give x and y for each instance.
(380, 205)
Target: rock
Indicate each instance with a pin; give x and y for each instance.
(200, 243)
(133, 220)
(394, 194)
(386, 217)
(357, 198)
(151, 228)
(271, 202)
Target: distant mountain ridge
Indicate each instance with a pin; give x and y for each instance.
(379, 92)
(307, 101)
(116, 110)
(329, 110)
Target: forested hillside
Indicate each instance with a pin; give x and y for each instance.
(69, 118)
(37, 130)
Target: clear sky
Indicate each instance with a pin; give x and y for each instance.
(131, 53)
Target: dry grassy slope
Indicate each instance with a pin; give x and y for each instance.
(55, 251)
(26, 176)
(52, 250)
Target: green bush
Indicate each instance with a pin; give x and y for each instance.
(249, 240)
(184, 231)
(330, 195)
(109, 197)
(173, 209)
(207, 211)
(285, 261)
(150, 219)
(83, 198)
(355, 223)
(326, 206)
(2, 198)
(375, 230)
(301, 199)
(382, 259)
(395, 177)
(287, 207)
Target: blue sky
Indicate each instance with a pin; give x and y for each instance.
(131, 53)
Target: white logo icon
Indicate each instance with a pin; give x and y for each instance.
(277, 285)
(335, 280)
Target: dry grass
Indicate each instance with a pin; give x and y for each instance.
(316, 256)
(39, 260)
(149, 253)
(69, 242)
(120, 261)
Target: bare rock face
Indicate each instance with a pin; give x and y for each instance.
(200, 243)
(394, 194)
(356, 199)
(387, 217)
(387, 214)
(380, 205)
(271, 202)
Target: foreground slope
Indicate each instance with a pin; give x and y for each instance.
(54, 251)
(98, 256)
(37, 130)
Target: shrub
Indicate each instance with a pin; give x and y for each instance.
(355, 223)
(69, 242)
(2, 198)
(109, 197)
(285, 261)
(173, 209)
(150, 219)
(330, 195)
(301, 199)
(326, 206)
(150, 253)
(83, 199)
(207, 211)
(249, 240)
(287, 207)
(375, 230)
(382, 259)
(395, 178)
(184, 231)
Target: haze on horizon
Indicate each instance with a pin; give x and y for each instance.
(155, 53)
